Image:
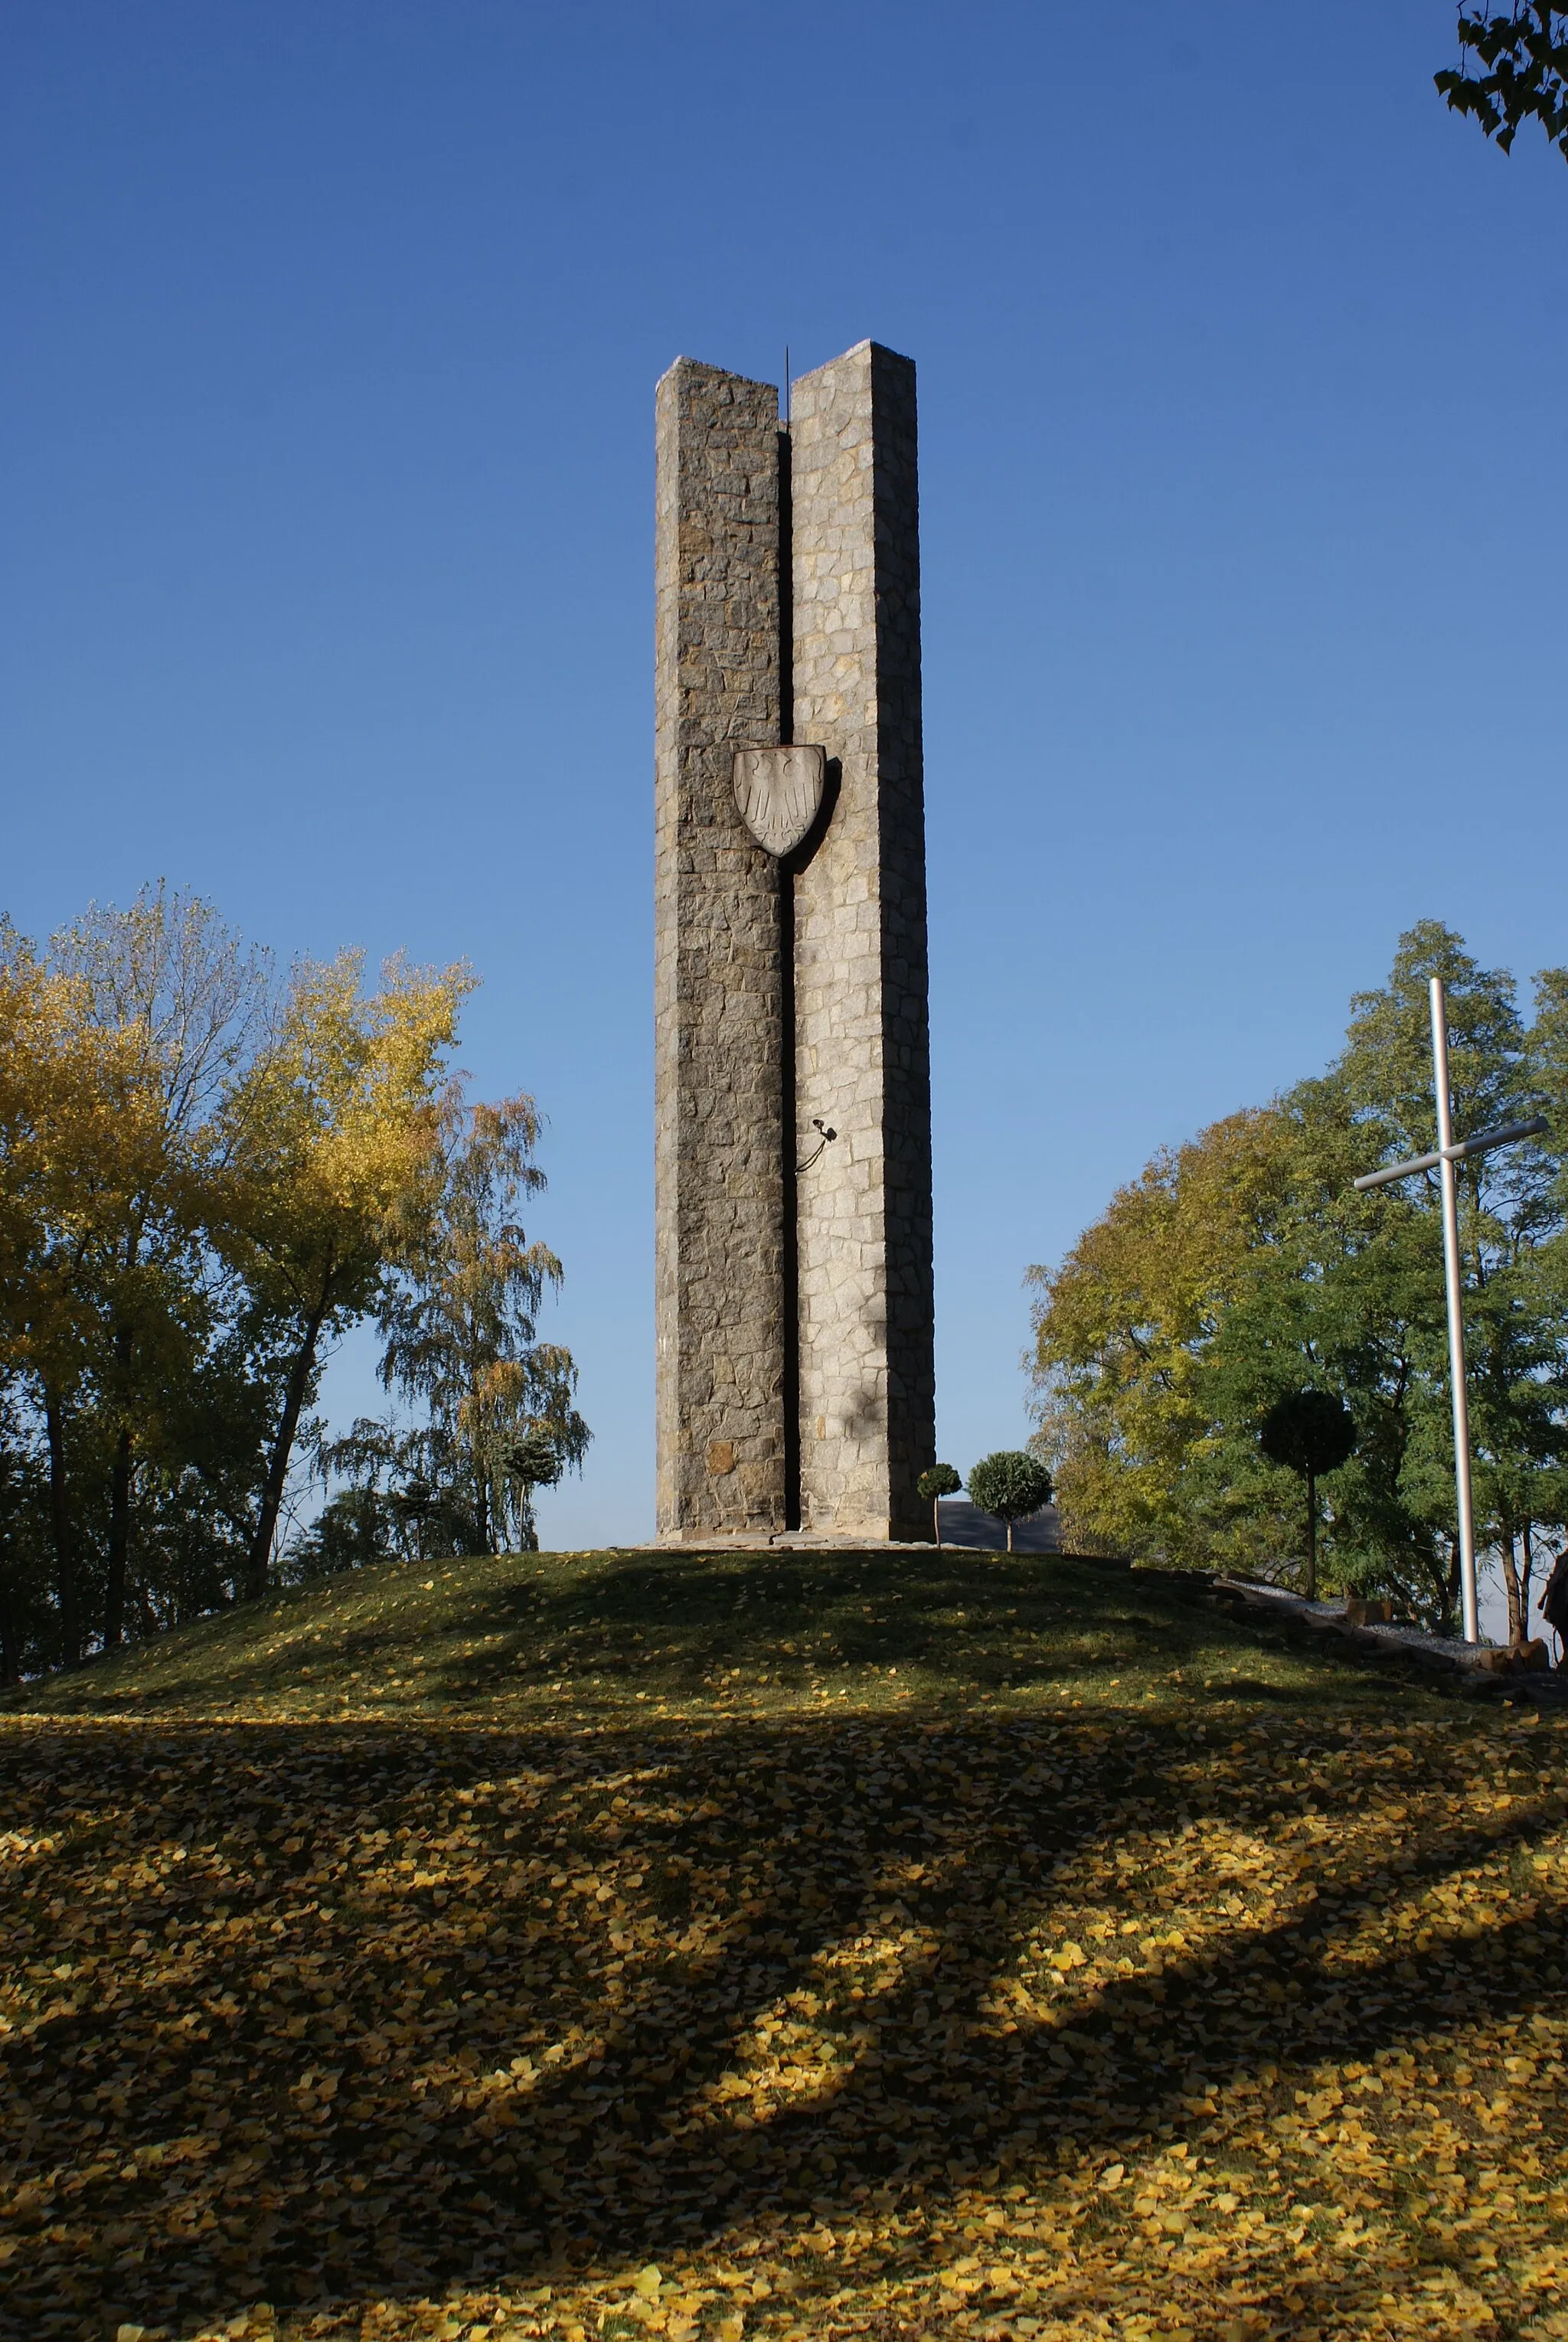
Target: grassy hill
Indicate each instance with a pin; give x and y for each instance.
(518, 1638)
(804, 1944)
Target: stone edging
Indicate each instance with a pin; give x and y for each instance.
(1474, 1665)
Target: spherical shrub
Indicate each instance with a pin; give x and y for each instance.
(941, 1480)
(1009, 1484)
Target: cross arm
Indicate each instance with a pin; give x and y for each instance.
(1459, 1151)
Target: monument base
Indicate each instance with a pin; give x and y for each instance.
(787, 1541)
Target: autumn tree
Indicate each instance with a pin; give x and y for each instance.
(113, 1055)
(44, 1099)
(204, 1179)
(337, 1161)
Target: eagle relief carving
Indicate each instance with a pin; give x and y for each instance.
(779, 793)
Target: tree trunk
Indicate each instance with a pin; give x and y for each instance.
(67, 1591)
(1312, 1536)
(1009, 1532)
(1518, 1634)
(10, 1629)
(936, 1518)
(1450, 1589)
(299, 1373)
(1524, 1577)
(119, 1543)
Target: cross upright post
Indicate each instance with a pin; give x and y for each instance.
(1446, 1162)
(1453, 1268)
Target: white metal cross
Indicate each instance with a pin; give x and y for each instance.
(1449, 1153)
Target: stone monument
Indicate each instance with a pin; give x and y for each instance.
(795, 1309)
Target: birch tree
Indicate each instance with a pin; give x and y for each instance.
(460, 1321)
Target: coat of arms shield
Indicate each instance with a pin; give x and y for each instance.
(779, 793)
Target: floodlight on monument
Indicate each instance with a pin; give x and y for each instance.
(825, 1138)
(1444, 1158)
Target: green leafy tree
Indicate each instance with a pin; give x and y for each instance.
(1511, 1233)
(352, 1531)
(941, 1481)
(1010, 1484)
(1245, 1266)
(152, 1011)
(1522, 54)
(534, 1459)
(1341, 1296)
(421, 1515)
(194, 1484)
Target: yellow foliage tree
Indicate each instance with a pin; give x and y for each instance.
(99, 1202)
(334, 1157)
(41, 1098)
(1120, 1328)
(203, 1178)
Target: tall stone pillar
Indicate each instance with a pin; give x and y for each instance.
(863, 1053)
(720, 1145)
(793, 1146)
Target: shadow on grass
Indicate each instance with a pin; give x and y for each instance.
(505, 1632)
(320, 2094)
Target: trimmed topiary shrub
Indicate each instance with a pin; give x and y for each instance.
(941, 1481)
(1009, 1484)
(1309, 1432)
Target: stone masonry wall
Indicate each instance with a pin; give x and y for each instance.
(720, 1144)
(866, 1375)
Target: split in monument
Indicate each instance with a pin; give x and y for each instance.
(794, 1306)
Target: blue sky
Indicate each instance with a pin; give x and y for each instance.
(326, 443)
